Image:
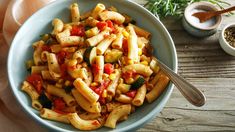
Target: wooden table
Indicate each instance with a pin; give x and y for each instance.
(201, 61)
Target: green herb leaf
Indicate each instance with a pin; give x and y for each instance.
(163, 8)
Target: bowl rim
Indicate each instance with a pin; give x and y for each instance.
(138, 123)
(223, 38)
(196, 5)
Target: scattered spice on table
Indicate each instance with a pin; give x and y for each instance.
(229, 35)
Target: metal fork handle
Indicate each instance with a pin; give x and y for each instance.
(190, 92)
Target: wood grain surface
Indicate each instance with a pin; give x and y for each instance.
(201, 61)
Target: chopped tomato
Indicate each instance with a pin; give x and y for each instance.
(102, 100)
(108, 68)
(125, 46)
(60, 112)
(78, 30)
(131, 93)
(46, 48)
(101, 25)
(105, 83)
(110, 25)
(95, 68)
(59, 104)
(98, 91)
(36, 81)
(95, 123)
(61, 56)
(129, 74)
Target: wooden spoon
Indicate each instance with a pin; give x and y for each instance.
(204, 16)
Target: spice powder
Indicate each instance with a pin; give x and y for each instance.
(229, 35)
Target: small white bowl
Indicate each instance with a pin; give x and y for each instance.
(223, 42)
(200, 30)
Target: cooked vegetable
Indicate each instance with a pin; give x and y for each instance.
(46, 103)
(87, 55)
(112, 56)
(68, 89)
(138, 83)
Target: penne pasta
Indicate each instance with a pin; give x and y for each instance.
(97, 10)
(157, 89)
(71, 41)
(117, 43)
(140, 96)
(123, 99)
(38, 69)
(141, 32)
(75, 14)
(82, 124)
(83, 88)
(93, 41)
(112, 15)
(58, 26)
(104, 44)
(85, 104)
(132, 45)
(99, 62)
(69, 100)
(53, 66)
(52, 115)
(113, 85)
(138, 68)
(116, 114)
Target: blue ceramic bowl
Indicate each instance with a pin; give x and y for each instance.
(21, 50)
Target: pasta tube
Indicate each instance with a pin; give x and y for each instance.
(81, 124)
(93, 41)
(117, 113)
(71, 41)
(87, 92)
(123, 99)
(138, 68)
(132, 45)
(58, 26)
(141, 32)
(113, 84)
(112, 15)
(69, 100)
(38, 69)
(140, 96)
(85, 104)
(52, 115)
(53, 66)
(157, 89)
(75, 14)
(37, 52)
(97, 10)
(99, 61)
(117, 43)
(104, 44)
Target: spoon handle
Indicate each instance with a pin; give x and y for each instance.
(226, 10)
(190, 92)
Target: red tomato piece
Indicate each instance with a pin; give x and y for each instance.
(102, 100)
(110, 25)
(131, 93)
(59, 104)
(108, 68)
(125, 46)
(129, 74)
(105, 83)
(60, 112)
(101, 25)
(95, 68)
(61, 56)
(46, 48)
(78, 30)
(36, 81)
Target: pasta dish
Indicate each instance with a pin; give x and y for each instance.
(93, 71)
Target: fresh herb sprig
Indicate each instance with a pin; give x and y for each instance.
(163, 8)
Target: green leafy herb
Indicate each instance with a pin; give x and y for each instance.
(46, 103)
(163, 8)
